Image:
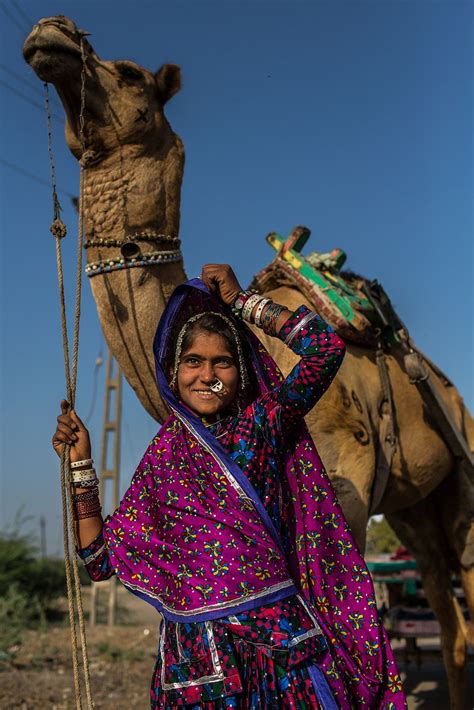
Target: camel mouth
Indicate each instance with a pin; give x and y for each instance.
(49, 42)
(32, 51)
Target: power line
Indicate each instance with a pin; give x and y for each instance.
(30, 101)
(23, 14)
(27, 174)
(18, 77)
(13, 19)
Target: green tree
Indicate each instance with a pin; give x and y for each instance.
(380, 537)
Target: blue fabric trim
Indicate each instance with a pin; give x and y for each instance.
(237, 608)
(322, 689)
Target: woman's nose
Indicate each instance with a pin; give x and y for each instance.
(207, 373)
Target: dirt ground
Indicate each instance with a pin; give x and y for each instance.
(121, 664)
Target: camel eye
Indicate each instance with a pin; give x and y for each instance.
(129, 72)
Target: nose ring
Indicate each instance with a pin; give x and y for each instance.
(217, 386)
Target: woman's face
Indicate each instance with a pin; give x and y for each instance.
(207, 359)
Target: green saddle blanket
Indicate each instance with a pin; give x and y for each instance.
(357, 309)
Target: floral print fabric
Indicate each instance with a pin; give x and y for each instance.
(290, 481)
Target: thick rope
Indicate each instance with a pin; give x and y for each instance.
(73, 585)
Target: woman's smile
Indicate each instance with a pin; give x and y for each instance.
(206, 362)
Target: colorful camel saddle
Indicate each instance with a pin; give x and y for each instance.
(357, 309)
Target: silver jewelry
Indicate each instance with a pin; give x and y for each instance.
(217, 386)
(259, 311)
(244, 380)
(85, 462)
(249, 305)
(294, 331)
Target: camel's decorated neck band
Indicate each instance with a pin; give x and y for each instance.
(105, 266)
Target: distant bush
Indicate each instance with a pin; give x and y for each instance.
(29, 586)
(380, 537)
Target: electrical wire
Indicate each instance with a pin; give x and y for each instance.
(27, 83)
(30, 101)
(23, 14)
(13, 19)
(27, 174)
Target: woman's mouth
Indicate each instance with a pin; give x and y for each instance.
(204, 394)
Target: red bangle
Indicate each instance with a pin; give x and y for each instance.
(88, 508)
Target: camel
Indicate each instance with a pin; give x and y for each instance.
(131, 202)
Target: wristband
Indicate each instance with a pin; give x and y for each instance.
(250, 304)
(259, 311)
(85, 462)
(86, 495)
(93, 483)
(84, 475)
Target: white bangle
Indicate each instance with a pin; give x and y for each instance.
(85, 462)
(250, 305)
(259, 311)
(88, 475)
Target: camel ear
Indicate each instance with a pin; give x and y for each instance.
(168, 81)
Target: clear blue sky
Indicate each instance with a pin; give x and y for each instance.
(354, 118)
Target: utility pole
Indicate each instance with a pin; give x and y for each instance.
(109, 474)
(43, 536)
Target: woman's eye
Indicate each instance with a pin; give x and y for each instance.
(225, 363)
(191, 361)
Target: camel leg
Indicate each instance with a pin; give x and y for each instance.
(420, 529)
(455, 501)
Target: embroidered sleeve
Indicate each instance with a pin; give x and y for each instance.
(322, 352)
(96, 559)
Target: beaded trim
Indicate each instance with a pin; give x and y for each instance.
(139, 237)
(152, 257)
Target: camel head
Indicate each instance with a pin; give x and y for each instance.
(130, 188)
(123, 101)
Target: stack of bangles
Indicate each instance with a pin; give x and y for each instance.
(87, 503)
(254, 308)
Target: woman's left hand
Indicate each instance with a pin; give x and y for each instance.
(220, 279)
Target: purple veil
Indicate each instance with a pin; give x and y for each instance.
(190, 515)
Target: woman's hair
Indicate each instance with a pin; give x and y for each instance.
(211, 323)
(217, 325)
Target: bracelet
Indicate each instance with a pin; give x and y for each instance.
(259, 311)
(239, 301)
(271, 317)
(88, 509)
(93, 483)
(86, 475)
(85, 462)
(80, 473)
(250, 305)
(86, 495)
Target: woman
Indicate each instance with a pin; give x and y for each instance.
(230, 527)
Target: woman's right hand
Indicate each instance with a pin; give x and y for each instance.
(70, 430)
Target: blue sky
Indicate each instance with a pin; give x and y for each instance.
(354, 118)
